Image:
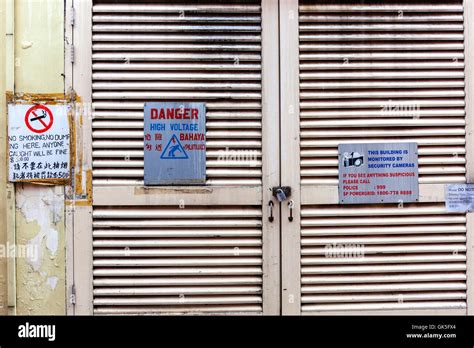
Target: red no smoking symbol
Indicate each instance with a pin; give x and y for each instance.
(39, 119)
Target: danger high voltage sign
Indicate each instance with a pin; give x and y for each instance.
(174, 143)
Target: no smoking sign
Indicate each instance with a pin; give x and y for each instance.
(39, 119)
(39, 143)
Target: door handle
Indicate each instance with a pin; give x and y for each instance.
(270, 211)
(291, 205)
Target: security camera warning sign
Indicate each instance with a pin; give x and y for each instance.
(378, 173)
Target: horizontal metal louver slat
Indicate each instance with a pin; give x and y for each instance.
(177, 51)
(169, 260)
(412, 305)
(173, 28)
(172, 38)
(139, 18)
(395, 7)
(382, 72)
(381, 18)
(176, 8)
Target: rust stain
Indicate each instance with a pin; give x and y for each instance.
(36, 98)
(81, 175)
(89, 191)
(78, 203)
(46, 182)
(78, 180)
(172, 190)
(89, 185)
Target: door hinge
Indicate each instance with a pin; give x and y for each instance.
(73, 16)
(72, 296)
(71, 194)
(71, 52)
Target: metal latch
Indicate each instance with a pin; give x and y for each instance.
(281, 193)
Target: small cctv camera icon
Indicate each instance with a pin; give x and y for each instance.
(354, 159)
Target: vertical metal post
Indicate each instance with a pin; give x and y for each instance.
(290, 156)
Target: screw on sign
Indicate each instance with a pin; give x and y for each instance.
(39, 119)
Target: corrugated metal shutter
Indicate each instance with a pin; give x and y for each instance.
(392, 72)
(197, 259)
(184, 50)
(377, 71)
(163, 259)
(382, 258)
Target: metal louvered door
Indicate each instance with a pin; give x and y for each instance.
(193, 249)
(342, 63)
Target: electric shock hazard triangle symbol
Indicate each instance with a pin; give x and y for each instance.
(174, 150)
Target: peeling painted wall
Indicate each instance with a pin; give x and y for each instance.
(40, 223)
(3, 200)
(40, 227)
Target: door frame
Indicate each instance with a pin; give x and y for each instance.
(290, 175)
(79, 210)
(78, 73)
(469, 107)
(278, 17)
(290, 157)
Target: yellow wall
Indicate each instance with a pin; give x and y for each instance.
(3, 206)
(39, 46)
(39, 68)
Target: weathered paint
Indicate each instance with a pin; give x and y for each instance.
(39, 69)
(40, 226)
(3, 182)
(79, 193)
